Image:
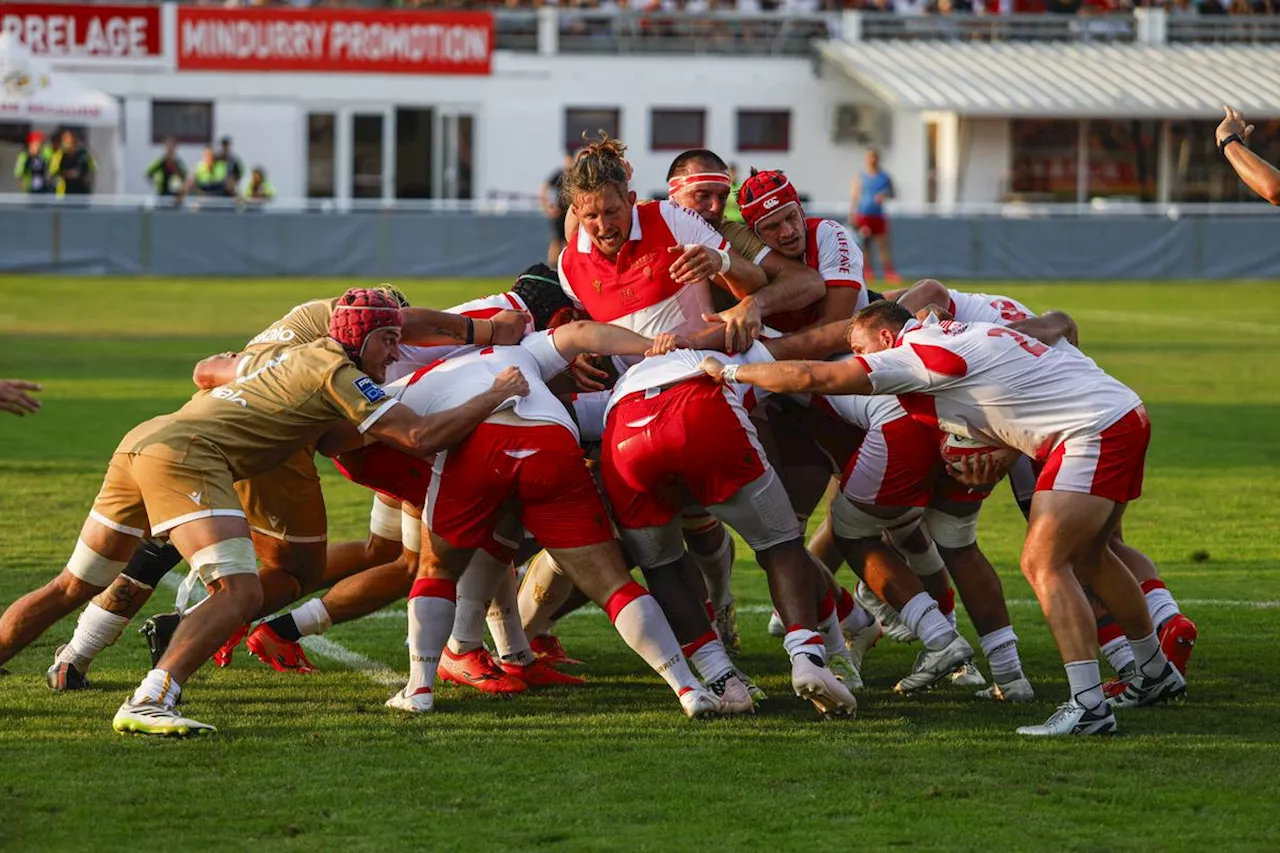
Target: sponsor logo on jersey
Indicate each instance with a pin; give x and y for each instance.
(277, 334)
(371, 390)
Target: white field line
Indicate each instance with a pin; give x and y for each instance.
(1144, 319)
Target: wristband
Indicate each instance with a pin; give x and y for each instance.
(1235, 137)
(724, 260)
(471, 330)
(730, 373)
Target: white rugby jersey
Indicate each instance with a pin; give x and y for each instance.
(836, 257)
(986, 308)
(678, 365)
(992, 384)
(646, 301)
(453, 381)
(864, 411)
(484, 308)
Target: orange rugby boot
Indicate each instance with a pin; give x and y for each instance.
(1178, 640)
(540, 673)
(547, 647)
(276, 652)
(222, 657)
(477, 669)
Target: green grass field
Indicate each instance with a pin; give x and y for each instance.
(316, 763)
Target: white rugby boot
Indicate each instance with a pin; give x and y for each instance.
(1017, 691)
(890, 622)
(841, 663)
(154, 718)
(861, 640)
(420, 701)
(1144, 690)
(776, 628)
(931, 667)
(699, 704)
(815, 682)
(968, 675)
(1072, 718)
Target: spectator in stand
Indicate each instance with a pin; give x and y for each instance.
(871, 188)
(554, 208)
(210, 176)
(32, 167)
(73, 166)
(168, 173)
(259, 191)
(232, 168)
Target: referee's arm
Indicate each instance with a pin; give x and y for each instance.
(1261, 177)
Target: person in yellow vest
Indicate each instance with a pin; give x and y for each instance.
(32, 167)
(72, 166)
(209, 178)
(259, 191)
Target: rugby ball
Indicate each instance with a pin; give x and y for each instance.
(957, 447)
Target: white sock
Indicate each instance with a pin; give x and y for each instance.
(717, 568)
(1001, 649)
(832, 635)
(1161, 605)
(159, 687)
(922, 616)
(1146, 652)
(641, 624)
(1118, 652)
(96, 629)
(857, 619)
(431, 609)
(312, 618)
(476, 589)
(802, 641)
(709, 657)
(1085, 681)
(509, 638)
(951, 619)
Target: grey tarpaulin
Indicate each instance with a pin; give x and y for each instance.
(68, 240)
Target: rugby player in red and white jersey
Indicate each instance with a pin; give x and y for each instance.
(669, 429)
(996, 385)
(1177, 632)
(537, 296)
(527, 453)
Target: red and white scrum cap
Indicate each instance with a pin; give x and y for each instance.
(680, 182)
(764, 193)
(360, 312)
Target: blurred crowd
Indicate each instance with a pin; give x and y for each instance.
(219, 174)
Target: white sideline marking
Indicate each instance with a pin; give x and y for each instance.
(765, 609)
(1175, 322)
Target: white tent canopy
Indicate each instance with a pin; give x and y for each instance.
(32, 93)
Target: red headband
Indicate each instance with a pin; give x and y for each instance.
(682, 181)
(764, 193)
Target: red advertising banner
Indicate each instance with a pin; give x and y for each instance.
(334, 40)
(57, 30)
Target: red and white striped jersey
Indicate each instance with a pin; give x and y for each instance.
(412, 358)
(453, 381)
(635, 290)
(992, 384)
(863, 411)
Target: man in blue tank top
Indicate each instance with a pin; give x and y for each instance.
(870, 189)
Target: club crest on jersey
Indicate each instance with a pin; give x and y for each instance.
(371, 390)
(597, 284)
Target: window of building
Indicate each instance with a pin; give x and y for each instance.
(764, 130)
(1122, 159)
(320, 156)
(677, 130)
(1045, 159)
(189, 122)
(589, 121)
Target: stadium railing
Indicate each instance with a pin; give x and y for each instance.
(594, 31)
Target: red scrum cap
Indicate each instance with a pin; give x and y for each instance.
(359, 312)
(763, 193)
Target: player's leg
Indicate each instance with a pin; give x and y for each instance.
(108, 539)
(465, 660)
(105, 618)
(512, 645)
(544, 593)
(1177, 633)
(711, 551)
(953, 527)
(881, 241)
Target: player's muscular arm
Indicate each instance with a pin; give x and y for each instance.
(423, 435)
(426, 327)
(216, 370)
(1050, 327)
(817, 342)
(794, 285)
(584, 336)
(838, 305)
(925, 292)
(795, 377)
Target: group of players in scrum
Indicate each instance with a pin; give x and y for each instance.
(735, 406)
